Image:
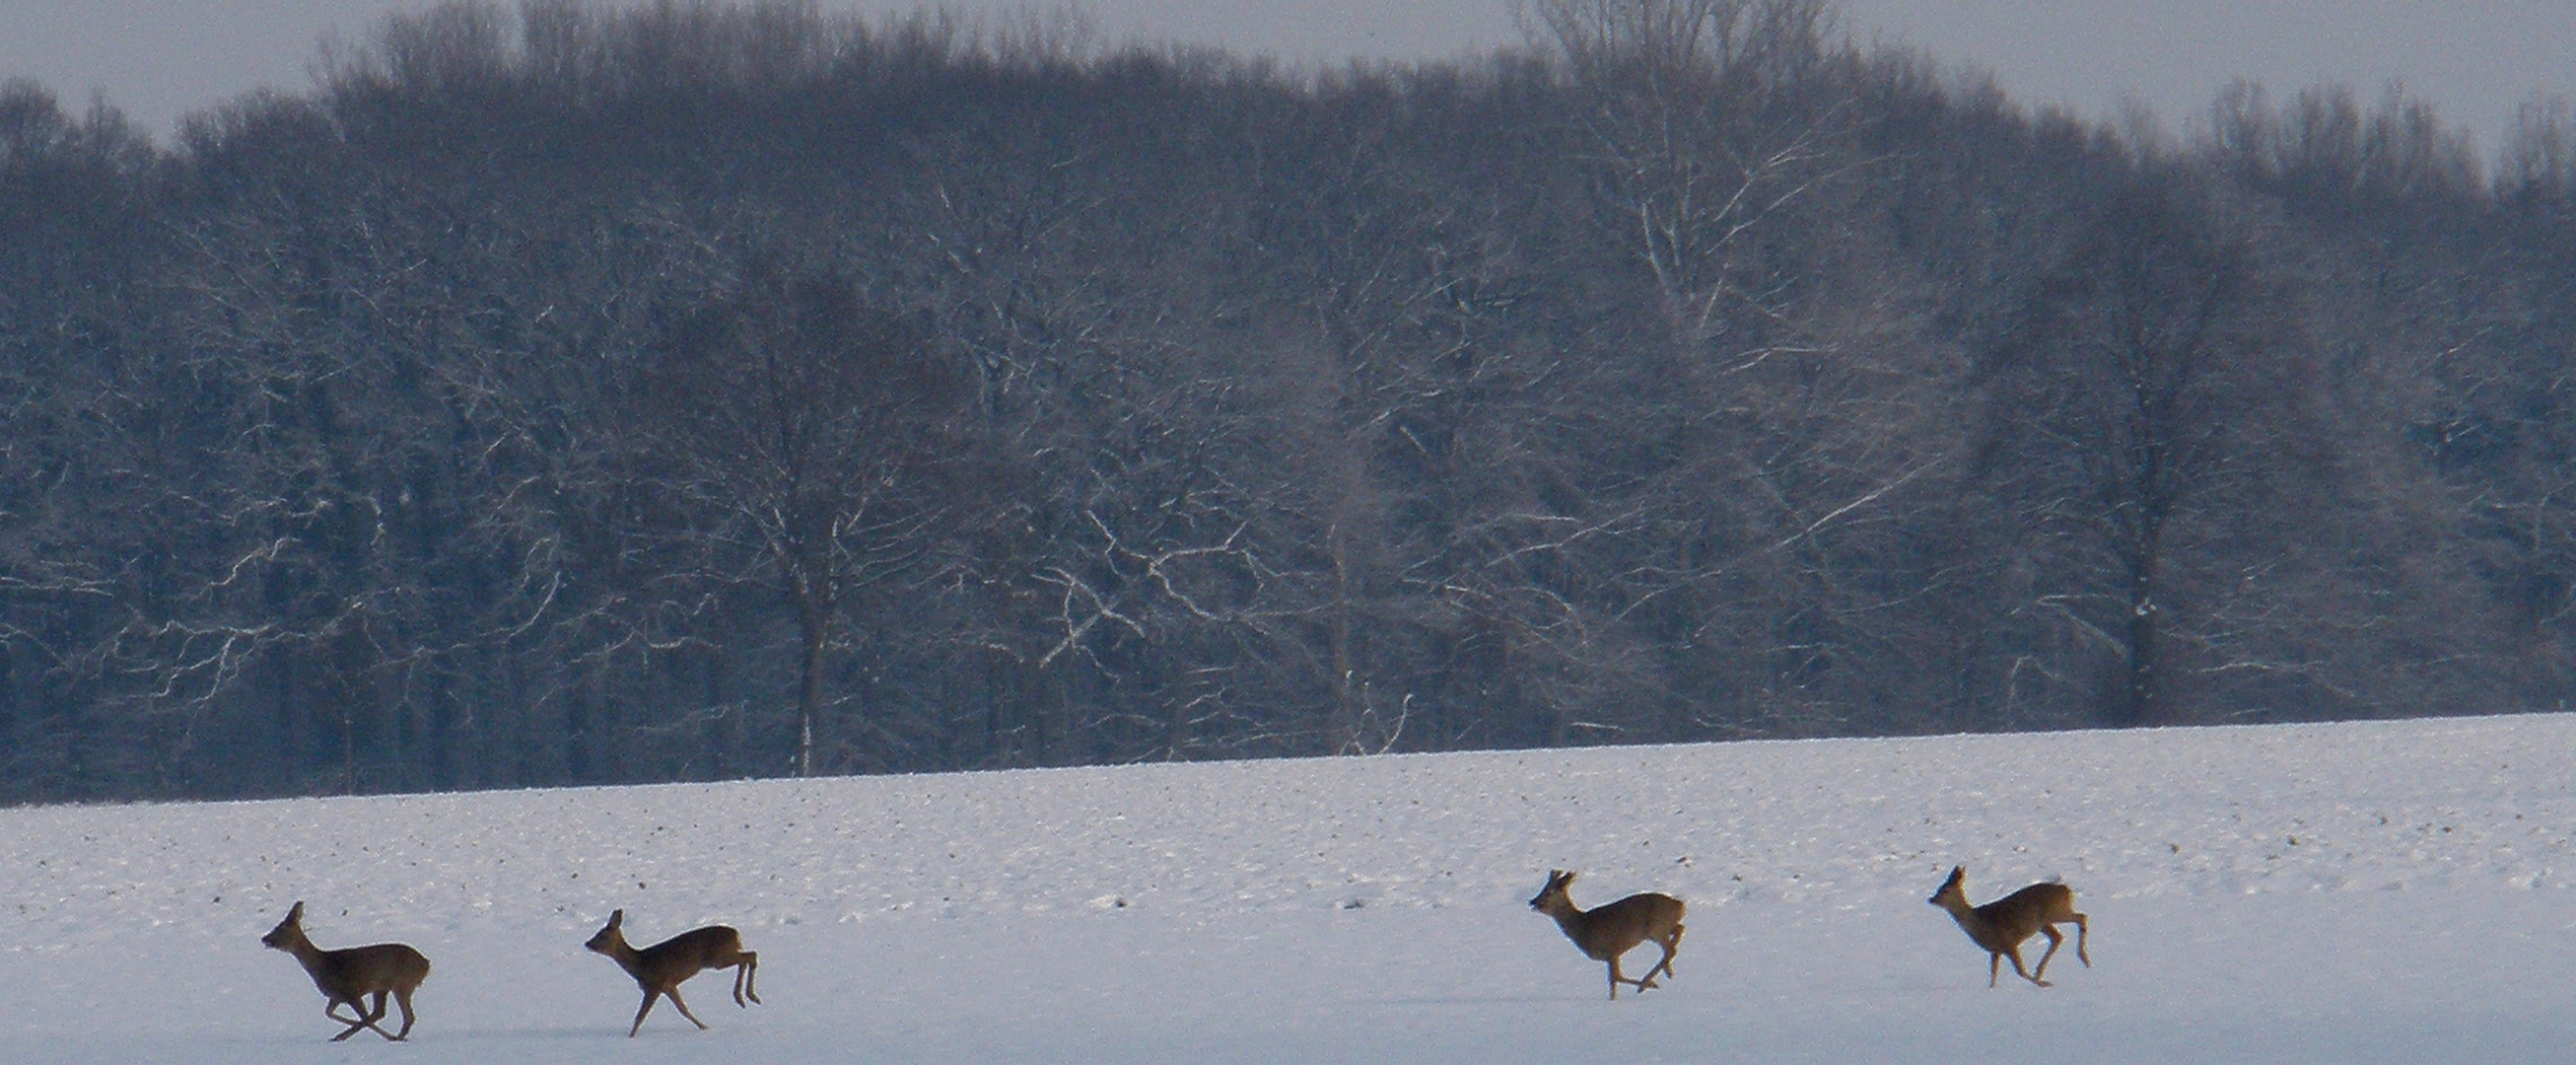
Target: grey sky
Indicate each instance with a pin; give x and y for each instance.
(157, 59)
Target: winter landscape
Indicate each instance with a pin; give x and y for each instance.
(2394, 891)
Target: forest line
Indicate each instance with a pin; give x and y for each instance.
(574, 394)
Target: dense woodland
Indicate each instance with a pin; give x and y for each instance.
(580, 394)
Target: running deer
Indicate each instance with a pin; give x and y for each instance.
(659, 968)
(352, 973)
(1606, 932)
(2001, 926)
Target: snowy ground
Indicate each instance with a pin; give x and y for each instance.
(2400, 892)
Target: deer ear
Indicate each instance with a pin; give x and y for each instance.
(296, 915)
(616, 917)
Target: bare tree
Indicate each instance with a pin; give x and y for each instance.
(797, 428)
(2140, 420)
(1709, 123)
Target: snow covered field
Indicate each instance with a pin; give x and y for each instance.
(2400, 892)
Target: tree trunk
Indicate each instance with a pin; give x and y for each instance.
(816, 629)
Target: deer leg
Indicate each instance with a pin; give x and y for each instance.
(359, 1017)
(378, 1014)
(650, 994)
(743, 978)
(2080, 932)
(1619, 976)
(683, 1007)
(1672, 945)
(2015, 955)
(402, 996)
(2055, 940)
(331, 1009)
(1995, 966)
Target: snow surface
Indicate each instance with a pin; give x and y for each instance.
(2396, 891)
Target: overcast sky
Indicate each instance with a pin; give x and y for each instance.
(158, 59)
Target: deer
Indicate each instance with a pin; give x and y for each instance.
(1606, 932)
(660, 968)
(2001, 926)
(350, 974)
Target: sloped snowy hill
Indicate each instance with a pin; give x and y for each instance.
(2385, 891)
